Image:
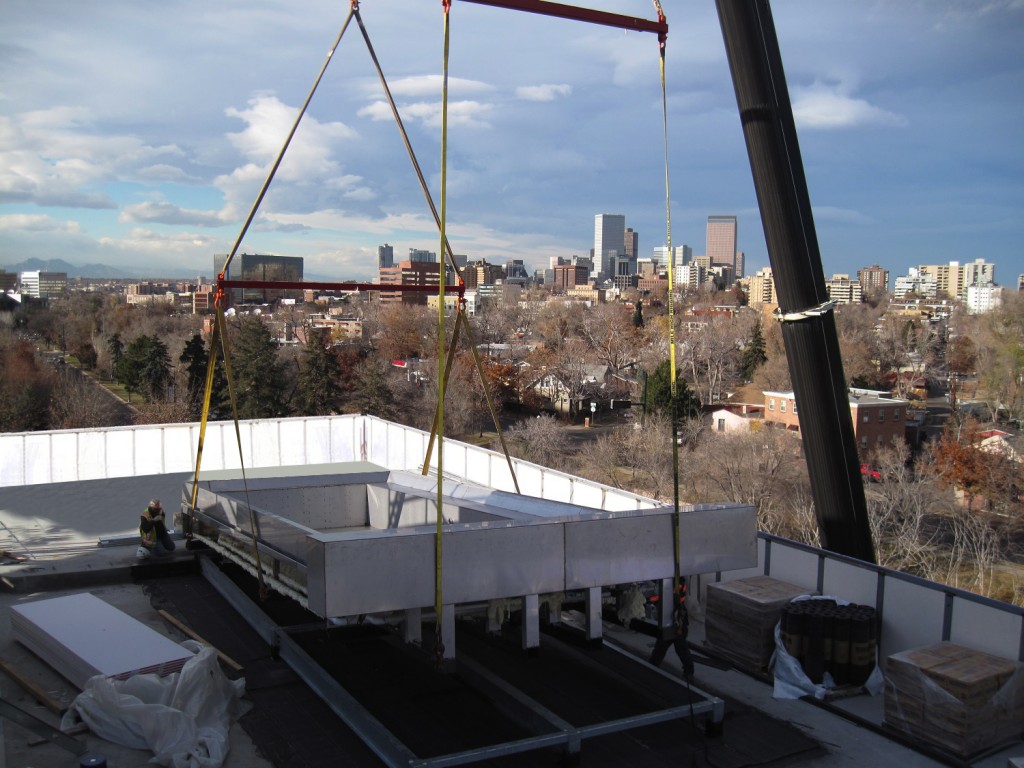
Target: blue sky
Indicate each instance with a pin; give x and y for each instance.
(137, 134)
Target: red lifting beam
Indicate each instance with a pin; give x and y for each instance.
(327, 286)
(581, 14)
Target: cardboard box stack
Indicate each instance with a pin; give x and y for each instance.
(962, 700)
(741, 615)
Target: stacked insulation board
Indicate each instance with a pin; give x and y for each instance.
(963, 700)
(81, 636)
(741, 616)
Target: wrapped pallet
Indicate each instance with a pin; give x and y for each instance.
(741, 615)
(962, 700)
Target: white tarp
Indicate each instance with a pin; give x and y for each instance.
(183, 718)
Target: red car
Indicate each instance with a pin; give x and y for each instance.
(871, 474)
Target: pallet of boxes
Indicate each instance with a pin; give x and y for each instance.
(962, 700)
(740, 619)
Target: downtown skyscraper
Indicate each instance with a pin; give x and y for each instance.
(721, 245)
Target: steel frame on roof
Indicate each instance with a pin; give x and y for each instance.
(389, 748)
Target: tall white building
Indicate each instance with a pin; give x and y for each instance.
(609, 243)
(843, 290)
(983, 298)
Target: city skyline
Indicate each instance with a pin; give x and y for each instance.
(125, 147)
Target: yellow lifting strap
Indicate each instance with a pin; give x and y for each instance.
(220, 332)
(446, 250)
(673, 388)
(438, 552)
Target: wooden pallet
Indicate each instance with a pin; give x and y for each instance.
(965, 701)
(740, 618)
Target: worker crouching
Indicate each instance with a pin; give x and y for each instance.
(156, 541)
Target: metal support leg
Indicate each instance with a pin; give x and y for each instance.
(448, 631)
(665, 615)
(412, 626)
(531, 622)
(594, 628)
(495, 616)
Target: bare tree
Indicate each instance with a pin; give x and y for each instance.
(610, 332)
(710, 356)
(78, 403)
(541, 440)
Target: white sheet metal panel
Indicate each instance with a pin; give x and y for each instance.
(317, 440)
(92, 449)
(617, 501)
(501, 477)
(291, 440)
(483, 562)
(149, 451)
(344, 438)
(65, 446)
(180, 442)
(531, 478)
(618, 550)
(267, 443)
(120, 453)
(587, 494)
(986, 628)
(717, 538)
(359, 573)
(858, 585)
(38, 459)
(796, 566)
(911, 616)
(81, 636)
(557, 486)
(13, 451)
(455, 459)
(478, 467)
(375, 571)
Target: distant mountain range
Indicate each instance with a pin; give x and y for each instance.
(73, 270)
(105, 271)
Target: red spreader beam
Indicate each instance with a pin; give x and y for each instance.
(286, 285)
(581, 14)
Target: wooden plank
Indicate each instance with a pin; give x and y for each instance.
(190, 633)
(34, 690)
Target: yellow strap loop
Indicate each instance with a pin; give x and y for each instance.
(438, 553)
(673, 387)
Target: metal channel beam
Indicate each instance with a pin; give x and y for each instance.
(388, 747)
(40, 728)
(378, 738)
(574, 13)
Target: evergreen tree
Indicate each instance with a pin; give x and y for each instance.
(194, 358)
(318, 376)
(144, 368)
(116, 349)
(754, 356)
(372, 394)
(259, 374)
(638, 315)
(659, 395)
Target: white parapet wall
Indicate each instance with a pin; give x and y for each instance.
(35, 458)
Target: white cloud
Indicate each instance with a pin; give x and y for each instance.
(827, 107)
(428, 85)
(546, 92)
(166, 213)
(268, 121)
(840, 215)
(37, 222)
(467, 113)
